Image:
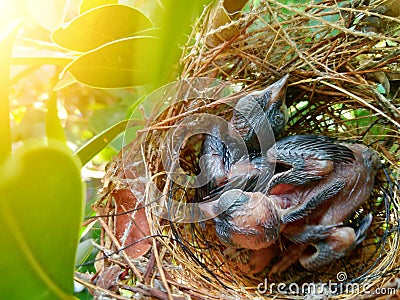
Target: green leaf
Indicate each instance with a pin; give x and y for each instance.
(41, 197)
(48, 14)
(38, 55)
(84, 250)
(54, 128)
(381, 89)
(174, 25)
(123, 63)
(153, 9)
(99, 26)
(102, 119)
(64, 82)
(101, 140)
(89, 4)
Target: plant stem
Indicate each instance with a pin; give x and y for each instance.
(6, 44)
(5, 128)
(54, 129)
(60, 61)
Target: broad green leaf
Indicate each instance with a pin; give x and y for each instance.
(41, 201)
(153, 9)
(36, 55)
(102, 119)
(99, 26)
(89, 4)
(123, 63)
(64, 82)
(101, 140)
(49, 14)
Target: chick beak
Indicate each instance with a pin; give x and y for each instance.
(277, 91)
(207, 209)
(212, 209)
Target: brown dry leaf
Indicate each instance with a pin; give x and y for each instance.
(221, 26)
(234, 6)
(383, 79)
(131, 225)
(108, 277)
(393, 76)
(392, 8)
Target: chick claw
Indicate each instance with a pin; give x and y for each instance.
(297, 213)
(311, 233)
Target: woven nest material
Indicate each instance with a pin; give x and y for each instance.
(344, 82)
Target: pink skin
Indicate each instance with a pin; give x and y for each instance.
(339, 239)
(256, 223)
(254, 261)
(249, 221)
(359, 181)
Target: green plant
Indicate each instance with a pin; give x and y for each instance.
(107, 45)
(41, 195)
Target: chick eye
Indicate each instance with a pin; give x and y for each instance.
(279, 119)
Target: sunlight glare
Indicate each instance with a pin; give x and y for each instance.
(10, 12)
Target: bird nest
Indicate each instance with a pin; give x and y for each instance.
(344, 82)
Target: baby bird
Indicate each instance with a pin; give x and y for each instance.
(313, 225)
(256, 116)
(336, 179)
(260, 110)
(244, 219)
(307, 157)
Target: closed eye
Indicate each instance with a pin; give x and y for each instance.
(279, 168)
